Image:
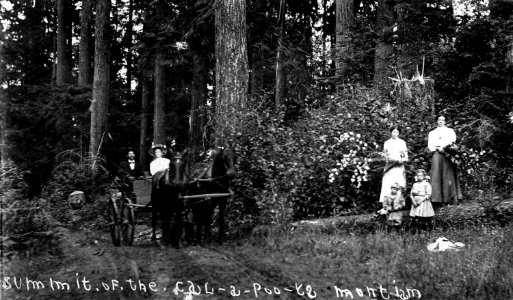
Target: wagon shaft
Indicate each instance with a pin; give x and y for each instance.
(217, 195)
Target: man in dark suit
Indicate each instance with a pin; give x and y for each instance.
(130, 167)
(130, 170)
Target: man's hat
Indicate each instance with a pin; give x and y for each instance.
(158, 146)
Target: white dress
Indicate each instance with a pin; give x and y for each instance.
(159, 164)
(396, 154)
(419, 192)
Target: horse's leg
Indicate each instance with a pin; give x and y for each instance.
(154, 217)
(166, 221)
(176, 211)
(197, 216)
(222, 208)
(189, 227)
(209, 212)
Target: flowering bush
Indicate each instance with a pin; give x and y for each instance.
(320, 165)
(466, 159)
(358, 157)
(329, 161)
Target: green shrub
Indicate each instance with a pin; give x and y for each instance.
(329, 161)
(73, 173)
(25, 223)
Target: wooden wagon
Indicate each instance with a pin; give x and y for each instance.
(122, 209)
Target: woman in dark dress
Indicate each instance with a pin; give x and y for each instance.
(444, 177)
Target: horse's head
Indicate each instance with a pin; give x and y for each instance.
(223, 162)
(178, 167)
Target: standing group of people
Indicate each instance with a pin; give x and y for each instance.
(428, 192)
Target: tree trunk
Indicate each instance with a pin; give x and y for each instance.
(281, 77)
(198, 104)
(256, 50)
(344, 24)
(232, 73)
(54, 50)
(503, 9)
(159, 115)
(100, 103)
(4, 130)
(129, 46)
(144, 141)
(63, 75)
(84, 62)
(384, 46)
(257, 72)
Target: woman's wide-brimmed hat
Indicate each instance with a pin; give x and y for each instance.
(158, 146)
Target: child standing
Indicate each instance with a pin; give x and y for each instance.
(421, 208)
(392, 204)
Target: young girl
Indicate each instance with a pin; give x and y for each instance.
(421, 208)
(392, 205)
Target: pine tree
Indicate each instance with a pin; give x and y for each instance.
(345, 23)
(232, 73)
(84, 62)
(101, 81)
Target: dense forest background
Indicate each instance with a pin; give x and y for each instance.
(305, 89)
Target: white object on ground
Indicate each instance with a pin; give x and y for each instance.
(382, 211)
(443, 244)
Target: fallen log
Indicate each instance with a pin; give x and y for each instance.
(450, 216)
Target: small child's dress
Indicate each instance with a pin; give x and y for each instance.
(394, 202)
(420, 191)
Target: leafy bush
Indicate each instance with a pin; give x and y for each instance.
(329, 162)
(316, 166)
(73, 173)
(25, 224)
(46, 120)
(472, 76)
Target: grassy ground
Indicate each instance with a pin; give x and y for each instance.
(482, 270)
(297, 264)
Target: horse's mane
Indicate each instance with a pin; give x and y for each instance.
(203, 169)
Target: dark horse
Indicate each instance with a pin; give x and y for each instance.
(165, 191)
(215, 179)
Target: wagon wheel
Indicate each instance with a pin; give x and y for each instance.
(114, 227)
(127, 224)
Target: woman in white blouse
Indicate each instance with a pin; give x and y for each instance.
(444, 178)
(159, 163)
(396, 154)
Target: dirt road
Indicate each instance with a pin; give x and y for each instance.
(90, 267)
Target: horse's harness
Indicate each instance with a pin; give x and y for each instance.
(216, 181)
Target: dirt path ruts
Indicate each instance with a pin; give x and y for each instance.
(95, 269)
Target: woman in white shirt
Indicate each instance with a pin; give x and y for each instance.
(396, 154)
(444, 178)
(159, 163)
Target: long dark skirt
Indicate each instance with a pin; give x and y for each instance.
(444, 180)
